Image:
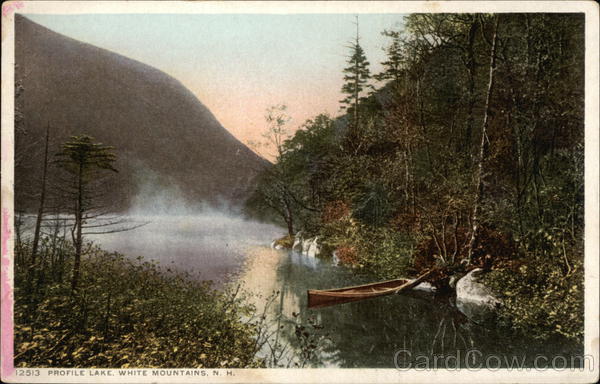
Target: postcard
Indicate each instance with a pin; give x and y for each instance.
(296, 192)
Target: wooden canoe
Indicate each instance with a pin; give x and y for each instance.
(324, 298)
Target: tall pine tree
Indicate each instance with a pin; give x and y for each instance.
(356, 77)
(393, 67)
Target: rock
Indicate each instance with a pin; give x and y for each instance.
(334, 258)
(314, 249)
(305, 245)
(475, 299)
(425, 286)
(297, 242)
(470, 289)
(309, 246)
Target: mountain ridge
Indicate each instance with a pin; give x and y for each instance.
(147, 115)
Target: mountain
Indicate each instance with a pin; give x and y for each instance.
(163, 135)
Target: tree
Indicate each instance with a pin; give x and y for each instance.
(273, 191)
(393, 67)
(85, 162)
(40, 213)
(356, 76)
(277, 131)
(484, 142)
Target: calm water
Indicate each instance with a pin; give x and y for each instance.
(369, 333)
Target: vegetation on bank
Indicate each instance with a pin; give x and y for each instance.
(540, 300)
(77, 305)
(286, 242)
(125, 314)
(465, 151)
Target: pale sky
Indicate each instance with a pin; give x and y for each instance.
(239, 65)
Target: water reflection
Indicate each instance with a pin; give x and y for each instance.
(369, 333)
(212, 245)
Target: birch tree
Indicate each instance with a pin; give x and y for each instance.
(483, 143)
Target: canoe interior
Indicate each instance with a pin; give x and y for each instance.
(368, 287)
(322, 298)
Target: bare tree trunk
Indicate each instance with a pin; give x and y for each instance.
(38, 222)
(78, 224)
(471, 69)
(289, 220)
(356, 82)
(482, 145)
(19, 239)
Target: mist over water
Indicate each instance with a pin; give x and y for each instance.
(219, 244)
(209, 242)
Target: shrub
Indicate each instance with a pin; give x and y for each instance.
(129, 314)
(347, 255)
(286, 242)
(540, 299)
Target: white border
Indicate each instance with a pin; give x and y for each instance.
(590, 8)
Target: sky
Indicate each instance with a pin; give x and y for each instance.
(238, 65)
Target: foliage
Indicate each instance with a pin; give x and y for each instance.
(469, 154)
(286, 242)
(85, 162)
(356, 75)
(540, 299)
(128, 314)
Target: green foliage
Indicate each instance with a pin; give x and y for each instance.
(540, 299)
(286, 242)
(129, 314)
(395, 61)
(393, 185)
(356, 76)
(81, 154)
(386, 252)
(373, 205)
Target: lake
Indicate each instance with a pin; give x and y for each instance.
(404, 330)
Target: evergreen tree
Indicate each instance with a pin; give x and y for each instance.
(356, 77)
(393, 66)
(85, 162)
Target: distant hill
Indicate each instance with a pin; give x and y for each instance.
(163, 135)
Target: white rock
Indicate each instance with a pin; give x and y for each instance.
(334, 258)
(297, 242)
(425, 286)
(313, 247)
(469, 289)
(306, 245)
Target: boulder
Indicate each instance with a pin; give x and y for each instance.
(470, 289)
(475, 299)
(314, 249)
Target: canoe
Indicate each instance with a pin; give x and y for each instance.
(323, 298)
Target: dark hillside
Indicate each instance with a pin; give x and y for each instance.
(157, 126)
